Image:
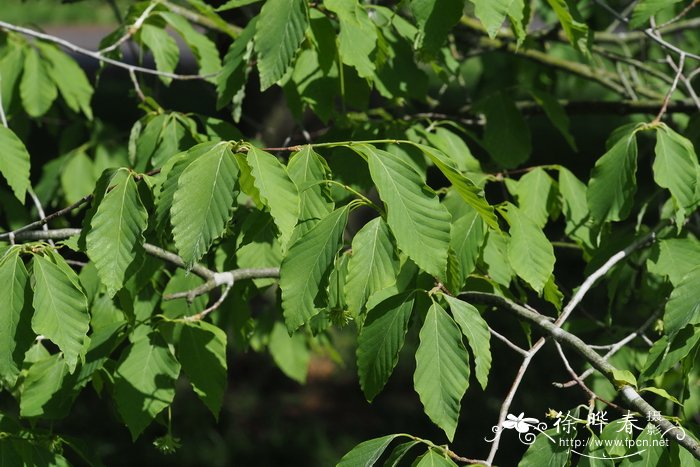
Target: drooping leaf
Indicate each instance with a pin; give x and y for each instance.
(380, 341)
(435, 18)
(556, 114)
(455, 148)
(11, 64)
(307, 262)
(144, 382)
(41, 388)
(14, 163)
(230, 83)
(442, 369)
(70, 79)
(366, 453)
(203, 201)
(15, 314)
(496, 258)
(535, 191)
(575, 208)
(307, 169)
(466, 240)
(674, 257)
(78, 176)
(420, 224)
(60, 307)
(434, 459)
(276, 190)
(683, 306)
(373, 265)
(612, 186)
(676, 166)
(279, 32)
(290, 353)
(529, 251)
(476, 331)
(37, 89)
(574, 26)
(165, 51)
(507, 136)
(668, 351)
(201, 351)
(115, 240)
(358, 35)
(399, 452)
(203, 48)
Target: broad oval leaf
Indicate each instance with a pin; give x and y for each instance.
(432, 458)
(676, 166)
(60, 307)
(373, 264)
(279, 32)
(15, 313)
(307, 169)
(380, 341)
(290, 353)
(535, 192)
(115, 240)
(529, 251)
(420, 224)
(477, 332)
(144, 382)
(203, 202)
(165, 51)
(683, 306)
(442, 369)
(276, 190)
(37, 89)
(14, 163)
(674, 257)
(612, 186)
(366, 453)
(358, 35)
(307, 262)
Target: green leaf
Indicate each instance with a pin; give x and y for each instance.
(230, 83)
(15, 313)
(442, 369)
(204, 49)
(231, 4)
(575, 208)
(466, 241)
(203, 202)
(11, 65)
(115, 240)
(435, 19)
(290, 353)
(358, 35)
(674, 257)
(77, 176)
(612, 186)
(420, 224)
(529, 250)
(624, 377)
(683, 306)
(492, 13)
(495, 256)
(399, 452)
(676, 166)
(547, 451)
(165, 51)
(454, 148)
(668, 351)
(306, 169)
(42, 386)
(574, 26)
(650, 456)
(278, 35)
(380, 341)
(661, 392)
(434, 459)
(144, 382)
(466, 189)
(60, 307)
(201, 351)
(476, 331)
(14, 163)
(37, 89)
(70, 79)
(366, 453)
(535, 191)
(373, 264)
(276, 191)
(507, 136)
(555, 113)
(645, 9)
(306, 264)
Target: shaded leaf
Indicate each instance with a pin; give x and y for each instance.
(529, 251)
(358, 35)
(37, 89)
(676, 166)
(366, 453)
(290, 353)
(14, 163)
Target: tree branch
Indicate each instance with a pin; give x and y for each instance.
(97, 55)
(630, 396)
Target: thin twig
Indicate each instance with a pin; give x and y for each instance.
(680, 15)
(672, 89)
(96, 55)
(130, 30)
(217, 304)
(137, 86)
(506, 341)
(40, 211)
(686, 82)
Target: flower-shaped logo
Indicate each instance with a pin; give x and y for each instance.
(520, 423)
